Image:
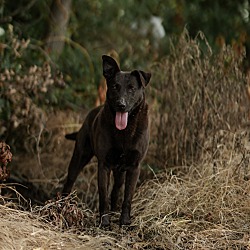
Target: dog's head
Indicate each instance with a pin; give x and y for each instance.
(125, 90)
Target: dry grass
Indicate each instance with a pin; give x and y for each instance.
(203, 206)
(196, 92)
(206, 206)
(23, 230)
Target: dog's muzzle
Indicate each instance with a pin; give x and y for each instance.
(121, 104)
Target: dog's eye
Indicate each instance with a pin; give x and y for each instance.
(116, 87)
(131, 87)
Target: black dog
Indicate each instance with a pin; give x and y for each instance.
(117, 133)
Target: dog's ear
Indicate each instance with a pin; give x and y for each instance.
(142, 77)
(110, 67)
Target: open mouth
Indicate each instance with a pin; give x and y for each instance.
(121, 120)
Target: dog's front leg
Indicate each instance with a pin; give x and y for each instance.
(119, 178)
(103, 186)
(130, 185)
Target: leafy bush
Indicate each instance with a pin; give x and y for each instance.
(22, 99)
(25, 91)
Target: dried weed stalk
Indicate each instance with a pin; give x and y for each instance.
(196, 94)
(5, 158)
(200, 209)
(66, 213)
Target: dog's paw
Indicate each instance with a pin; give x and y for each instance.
(125, 219)
(105, 221)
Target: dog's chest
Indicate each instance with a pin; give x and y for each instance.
(118, 158)
(123, 149)
(123, 153)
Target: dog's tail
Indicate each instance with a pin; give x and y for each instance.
(71, 136)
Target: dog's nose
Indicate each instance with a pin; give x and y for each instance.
(121, 104)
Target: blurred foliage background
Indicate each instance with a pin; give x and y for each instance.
(51, 50)
(138, 31)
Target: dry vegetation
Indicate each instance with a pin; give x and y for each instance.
(203, 206)
(200, 199)
(24, 96)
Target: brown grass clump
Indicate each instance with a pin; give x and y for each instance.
(66, 212)
(206, 206)
(23, 230)
(196, 93)
(5, 158)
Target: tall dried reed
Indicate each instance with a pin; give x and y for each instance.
(196, 93)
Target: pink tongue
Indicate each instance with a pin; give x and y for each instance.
(121, 120)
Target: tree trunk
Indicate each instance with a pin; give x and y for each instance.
(59, 18)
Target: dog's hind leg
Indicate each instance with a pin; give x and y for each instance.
(81, 156)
